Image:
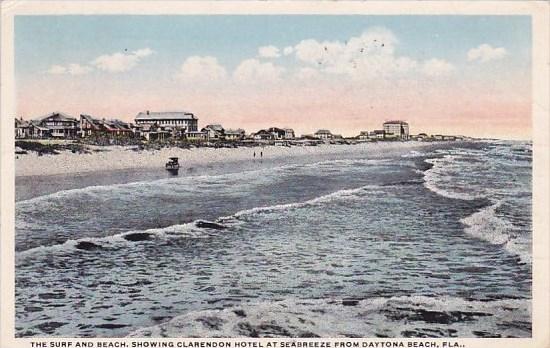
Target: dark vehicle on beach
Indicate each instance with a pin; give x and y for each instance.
(172, 165)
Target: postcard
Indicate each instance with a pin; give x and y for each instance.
(273, 174)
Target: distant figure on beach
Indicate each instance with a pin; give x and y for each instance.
(261, 154)
(254, 154)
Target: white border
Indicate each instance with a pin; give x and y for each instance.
(538, 10)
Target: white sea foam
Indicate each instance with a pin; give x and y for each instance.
(390, 317)
(487, 226)
(347, 195)
(438, 178)
(117, 240)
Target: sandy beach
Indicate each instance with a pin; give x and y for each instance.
(121, 158)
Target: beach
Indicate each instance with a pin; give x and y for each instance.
(120, 158)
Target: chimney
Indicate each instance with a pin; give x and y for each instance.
(147, 112)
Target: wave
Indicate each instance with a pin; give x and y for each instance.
(437, 176)
(349, 194)
(403, 316)
(487, 226)
(195, 229)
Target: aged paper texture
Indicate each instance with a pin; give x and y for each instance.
(275, 174)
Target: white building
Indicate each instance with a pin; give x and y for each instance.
(399, 129)
(289, 133)
(323, 134)
(180, 119)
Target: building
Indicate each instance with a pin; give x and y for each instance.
(400, 129)
(363, 135)
(289, 133)
(196, 136)
(214, 132)
(22, 128)
(93, 126)
(234, 134)
(55, 125)
(272, 133)
(377, 134)
(177, 119)
(323, 134)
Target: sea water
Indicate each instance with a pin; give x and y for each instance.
(431, 243)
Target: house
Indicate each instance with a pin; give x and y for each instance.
(377, 134)
(214, 132)
(289, 133)
(272, 133)
(363, 135)
(399, 129)
(93, 126)
(234, 134)
(22, 128)
(323, 134)
(54, 125)
(196, 136)
(178, 119)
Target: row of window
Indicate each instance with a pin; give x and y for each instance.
(166, 121)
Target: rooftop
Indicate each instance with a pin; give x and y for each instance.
(170, 115)
(396, 122)
(58, 116)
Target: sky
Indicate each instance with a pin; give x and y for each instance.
(463, 75)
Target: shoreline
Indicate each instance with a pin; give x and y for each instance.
(118, 158)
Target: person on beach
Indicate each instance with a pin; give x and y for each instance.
(254, 154)
(261, 154)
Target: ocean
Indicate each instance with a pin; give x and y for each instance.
(427, 243)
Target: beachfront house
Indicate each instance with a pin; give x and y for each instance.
(289, 133)
(377, 134)
(196, 136)
(399, 129)
(214, 132)
(323, 134)
(22, 128)
(94, 126)
(234, 134)
(175, 119)
(272, 133)
(55, 125)
(363, 135)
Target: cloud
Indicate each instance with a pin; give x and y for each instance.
(370, 54)
(120, 62)
(437, 67)
(307, 74)
(288, 50)
(71, 69)
(198, 68)
(252, 70)
(485, 53)
(268, 52)
(57, 70)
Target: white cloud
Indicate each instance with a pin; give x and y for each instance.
(437, 67)
(252, 70)
(198, 68)
(77, 69)
(370, 54)
(307, 74)
(57, 70)
(120, 62)
(71, 69)
(485, 53)
(288, 50)
(268, 52)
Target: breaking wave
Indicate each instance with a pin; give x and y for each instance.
(404, 316)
